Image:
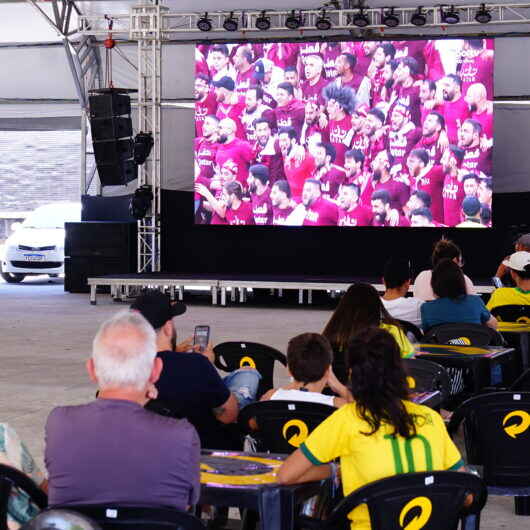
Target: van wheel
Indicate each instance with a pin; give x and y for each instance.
(12, 277)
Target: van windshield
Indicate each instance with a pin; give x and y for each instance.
(53, 216)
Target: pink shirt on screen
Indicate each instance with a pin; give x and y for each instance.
(453, 195)
(359, 216)
(262, 207)
(321, 213)
(242, 216)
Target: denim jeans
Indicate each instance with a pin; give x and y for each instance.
(243, 383)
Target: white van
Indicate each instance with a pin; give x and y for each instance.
(37, 244)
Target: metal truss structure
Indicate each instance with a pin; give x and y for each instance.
(184, 25)
(84, 60)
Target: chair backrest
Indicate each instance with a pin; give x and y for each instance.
(427, 376)
(497, 436)
(118, 517)
(522, 383)
(282, 425)
(13, 478)
(410, 328)
(463, 334)
(512, 313)
(230, 356)
(432, 500)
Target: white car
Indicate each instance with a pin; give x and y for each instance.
(37, 244)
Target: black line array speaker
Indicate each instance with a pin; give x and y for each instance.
(96, 248)
(111, 126)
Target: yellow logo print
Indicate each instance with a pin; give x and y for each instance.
(516, 428)
(523, 320)
(411, 382)
(247, 361)
(418, 521)
(297, 439)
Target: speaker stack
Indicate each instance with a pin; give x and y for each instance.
(110, 122)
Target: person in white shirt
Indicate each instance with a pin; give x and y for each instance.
(397, 277)
(309, 358)
(443, 249)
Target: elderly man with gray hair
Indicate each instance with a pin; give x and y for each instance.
(112, 450)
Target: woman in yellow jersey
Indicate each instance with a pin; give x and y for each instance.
(380, 433)
(360, 308)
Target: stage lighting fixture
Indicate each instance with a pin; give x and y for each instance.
(263, 22)
(418, 18)
(389, 18)
(360, 19)
(323, 23)
(204, 23)
(293, 21)
(230, 23)
(141, 202)
(450, 16)
(483, 16)
(143, 143)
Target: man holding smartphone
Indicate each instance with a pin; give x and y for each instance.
(189, 385)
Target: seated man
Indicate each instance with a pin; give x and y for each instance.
(503, 272)
(397, 278)
(519, 266)
(112, 450)
(309, 358)
(14, 453)
(190, 386)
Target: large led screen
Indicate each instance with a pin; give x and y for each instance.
(374, 133)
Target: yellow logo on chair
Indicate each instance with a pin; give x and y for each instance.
(247, 361)
(296, 440)
(420, 520)
(516, 428)
(523, 320)
(411, 382)
(460, 341)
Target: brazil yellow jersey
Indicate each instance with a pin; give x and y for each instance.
(406, 348)
(508, 296)
(364, 459)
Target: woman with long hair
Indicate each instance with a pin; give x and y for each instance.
(358, 309)
(380, 434)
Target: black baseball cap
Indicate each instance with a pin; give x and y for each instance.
(156, 308)
(225, 82)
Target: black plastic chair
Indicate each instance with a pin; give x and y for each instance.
(13, 478)
(50, 519)
(282, 425)
(522, 383)
(230, 356)
(497, 437)
(428, 376)
(436, 497)
(463, 334)
(512, 313)
(409, 327)
(118, 517)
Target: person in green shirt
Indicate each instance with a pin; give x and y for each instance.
(519, 266)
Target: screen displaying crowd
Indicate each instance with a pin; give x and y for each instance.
(374, 133)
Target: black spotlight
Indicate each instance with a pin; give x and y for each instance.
(483, 16)
(323, 23)
(204, 23)
(141, 202)
(230, 23)
(450, 16)
(418, 18)
(293, 21)
(360, 19)
(143, 143)
(263, 22)
(390, 19)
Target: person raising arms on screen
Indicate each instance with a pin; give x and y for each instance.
(370, 434)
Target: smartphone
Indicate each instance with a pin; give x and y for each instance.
(201, 337)
(497, 282)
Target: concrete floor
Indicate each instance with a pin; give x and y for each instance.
(46, 336)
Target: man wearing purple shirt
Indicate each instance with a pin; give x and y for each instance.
(112, 450)
(319, 211)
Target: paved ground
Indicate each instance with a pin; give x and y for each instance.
(46, 337)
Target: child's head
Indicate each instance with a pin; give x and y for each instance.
(309, 357)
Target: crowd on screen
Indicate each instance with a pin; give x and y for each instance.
(374, 133)
(122, 447)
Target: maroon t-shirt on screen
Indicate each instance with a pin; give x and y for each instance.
(262, 207)
(205, 152)
(330, 55)
(486, 120)
(244, 80)
(430, 144)
(321, 213)
(330, 181)
(408, 97)
(270, 156)
(359, 216)
(233, 111)
(240, 152)
(477, 69)
(476, 161)
(453, 195)
(339, 132)
(455, 113)
(398, 191)
(291, 115)
(432, 182)
(400, 143)
(242, 216)
(280, 215)
(203, 109)
(296, 173)
(314, 92)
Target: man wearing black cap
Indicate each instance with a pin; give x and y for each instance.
(229, 103)
(471, 212)
(189, 385)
